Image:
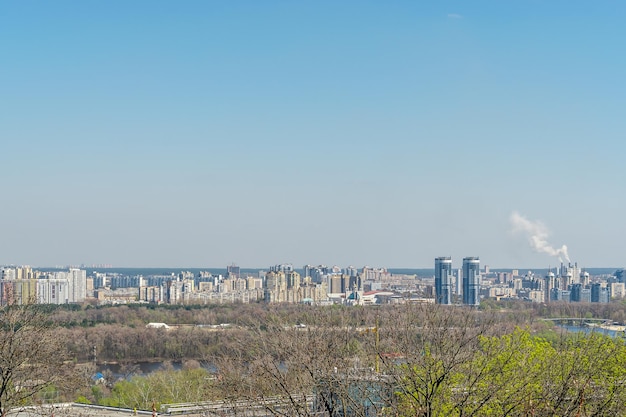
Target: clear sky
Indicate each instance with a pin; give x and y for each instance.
(386, 133)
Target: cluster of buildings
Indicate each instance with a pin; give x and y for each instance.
(205, 288)
(571, 284)
(281, 284)
(568, 283)
(22, 285)
(310, 284)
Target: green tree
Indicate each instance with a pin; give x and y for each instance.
(160, 387)
(517, 374)
(504, 377)
(586, 378)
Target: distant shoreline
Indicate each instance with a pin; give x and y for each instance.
(422, 272)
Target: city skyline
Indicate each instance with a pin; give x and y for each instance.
(159, 134)
(319, 285)
(419, 270)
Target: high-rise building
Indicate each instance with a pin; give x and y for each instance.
(443, 280)
(471, 280)
(306, 271)
(617, 289)
(570, 274)
(293, 279)
(575, 292)
(276, 281)
(600, 293)
(336, 284)
(233, 271)
(53, 291)
(584, 278)
(550, 284)
(282, 267)
(78, 285)
(352, 271)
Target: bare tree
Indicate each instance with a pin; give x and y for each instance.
(288, 368)
(425, 348)
(32, 359)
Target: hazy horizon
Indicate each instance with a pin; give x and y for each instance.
(391, 269)
(190, 133)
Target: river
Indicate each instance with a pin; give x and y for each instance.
(592, 329)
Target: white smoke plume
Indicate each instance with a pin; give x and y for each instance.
(537, 234)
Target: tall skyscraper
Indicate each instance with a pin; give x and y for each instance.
(443, 280)
(471, 281)
(307, 270)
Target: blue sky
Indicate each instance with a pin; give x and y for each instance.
(200, 133)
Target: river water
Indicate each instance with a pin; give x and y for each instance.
(138, 368)
(588, 330)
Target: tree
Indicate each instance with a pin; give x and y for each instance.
(32, 358)
(505, 376)
(285, 368)
(517, 374)
(587, 378)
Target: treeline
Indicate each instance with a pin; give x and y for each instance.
(137, 315)
(119, 333)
